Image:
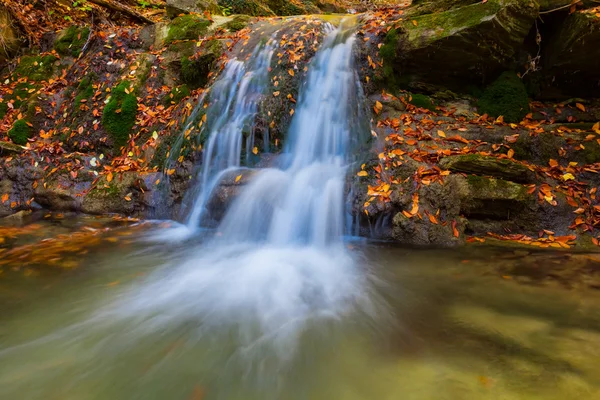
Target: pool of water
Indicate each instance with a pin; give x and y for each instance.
(92, 310)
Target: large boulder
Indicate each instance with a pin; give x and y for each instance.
(573, 59)
(488, 165)
(10, 37)
(471, 44)
(177, 7)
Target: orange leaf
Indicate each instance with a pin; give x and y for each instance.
(5, 197)
(580, 106)
(454, 230)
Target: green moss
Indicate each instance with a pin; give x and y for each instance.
(422, 101)
(249, 7)
(176, 95)
(187, 27)
(195, 70)
(20, 94)
(71, 41)
(20, 132)
(85, 90)
(506, 96)
(238, 23)
(36, 68)
(388, 53)
(591, 152)
(119, 113)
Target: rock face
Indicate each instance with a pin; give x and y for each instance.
(476, 41)
(573, 59)
(482, 165)
(177, 7)
(9, 37)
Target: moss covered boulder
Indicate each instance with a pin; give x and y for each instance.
(256, 8)
(195, 69)
(178, 7)
(573, 60)
(490, 166)
(36, 68)
(468, 44)
(238, 23)
(10, 36)
(118, 117)
(187, 27)
(70, 42)
(20, 132)
(505, 97)
(495, 198)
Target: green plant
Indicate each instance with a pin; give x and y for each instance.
(20, 132)
(120, 112)
(506, 97)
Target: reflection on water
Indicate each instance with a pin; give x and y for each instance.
(453, 324)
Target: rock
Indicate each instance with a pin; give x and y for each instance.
(467, 44)
(573, 59)
(238, 23)
(10, 37)
(7, 148)
(18, 216)
(487, 165)
(177, 7)
(225, 193)
(421, 232)
(495, 198)
(127, 193)
(256, 8)
(61, 193)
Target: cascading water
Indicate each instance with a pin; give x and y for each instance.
(275, 279)
(233, 106)
(277, 261)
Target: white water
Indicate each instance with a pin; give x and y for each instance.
(234, 101)
(277, 261)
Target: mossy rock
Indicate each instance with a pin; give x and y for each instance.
(178, 7)
(120, 113)
(488, 165)
(256, 8)
(422, 101)
(22, 92)
(195, 70)
(85, 90)
(176, 95)
(388, 53)
(506, 97)
(71, 41)
(238, 23)
(187, 27)
(464, 45)
(36, 68)
(495, 198)
(20, 132)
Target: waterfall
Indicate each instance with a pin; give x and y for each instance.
(277, 262)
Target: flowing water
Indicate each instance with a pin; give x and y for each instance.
(276, 304)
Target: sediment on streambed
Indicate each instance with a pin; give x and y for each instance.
(472, 138)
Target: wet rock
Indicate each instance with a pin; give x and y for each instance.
(420, 232)
(177, 7)
(495, 198)
(573, 60)
(61, 194)
(18, 216)
(487, 165)
(467, 44)
(128, 193)
(226, 191)
(7, 148)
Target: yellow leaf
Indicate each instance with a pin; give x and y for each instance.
(378, 107)
(292, 111)
(568, 177)
(580, 106)
(255, 150)
(237, 178)
(128, 197)
(596, 128)
(362, 173)
(291, 72)
(275, 94)
(441, 134)
(415, 23)
(510, 153)
(170, 171)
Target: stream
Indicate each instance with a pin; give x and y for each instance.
(427, 324)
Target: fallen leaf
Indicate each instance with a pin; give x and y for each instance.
(237, 178)
(580, 106)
